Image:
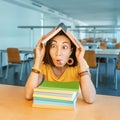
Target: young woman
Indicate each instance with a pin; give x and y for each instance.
(60, 60)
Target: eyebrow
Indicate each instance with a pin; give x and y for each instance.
(56, 41)
(53, 41)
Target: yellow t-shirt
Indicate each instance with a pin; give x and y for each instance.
(70, 74)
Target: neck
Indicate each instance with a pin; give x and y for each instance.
(58, 71)
(60, 68)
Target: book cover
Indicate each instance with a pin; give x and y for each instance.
(54, 97)
(56, 94)
(69, 86)
(54, 91)
(54, 104)
(56, 30)
(54, 101)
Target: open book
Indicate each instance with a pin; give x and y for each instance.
(56, 30)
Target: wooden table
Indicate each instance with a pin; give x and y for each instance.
(13, 106)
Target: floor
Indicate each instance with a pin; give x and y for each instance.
(106, 84)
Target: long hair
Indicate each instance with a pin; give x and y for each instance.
(47, 58)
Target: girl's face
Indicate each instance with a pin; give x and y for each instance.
(60, 50)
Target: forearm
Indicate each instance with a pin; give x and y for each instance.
(33, 81)
(87, 89)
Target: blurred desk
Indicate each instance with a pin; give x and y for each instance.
(24, 51)
(111, 45)
(13, 106)
(107, 53)
(92, 45)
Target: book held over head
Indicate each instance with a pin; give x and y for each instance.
(56, 30)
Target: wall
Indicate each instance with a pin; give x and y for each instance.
(13, 16)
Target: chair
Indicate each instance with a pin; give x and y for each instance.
(90, 40)
(103, 45)
(115, 72)
(90, 57)
(114, 40)
(83, 41)
(117, 46)
(14, 59)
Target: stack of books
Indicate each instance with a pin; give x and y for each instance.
(60, 95)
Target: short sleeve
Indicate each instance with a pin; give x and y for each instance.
(43, 68)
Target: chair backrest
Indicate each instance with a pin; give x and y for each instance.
(13, 55)
(118, 65)
(114, 40)
(90, 40)
(117, 46)
(103, 45)
(83, 41)
(90, 57)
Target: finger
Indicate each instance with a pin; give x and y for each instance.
(80, 49)
(79, 44)
(40, 41)
(38, 44)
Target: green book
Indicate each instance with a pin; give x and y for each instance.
(69, 86)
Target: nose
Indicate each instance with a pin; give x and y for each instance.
(58, 52)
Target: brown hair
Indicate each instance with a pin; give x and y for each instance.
(47, 58)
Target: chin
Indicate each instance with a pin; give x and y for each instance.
(59, 65)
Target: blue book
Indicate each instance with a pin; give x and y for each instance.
(48, 101)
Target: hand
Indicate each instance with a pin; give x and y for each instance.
(40, 50)
(80, 51)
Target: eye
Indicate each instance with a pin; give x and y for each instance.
(53, 46)
(65, 47)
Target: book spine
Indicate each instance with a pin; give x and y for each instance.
(55, 91)
(53, 103)
(52, 97)
(54, 94)
(53, 100)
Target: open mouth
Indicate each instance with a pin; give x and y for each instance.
(59, 62)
